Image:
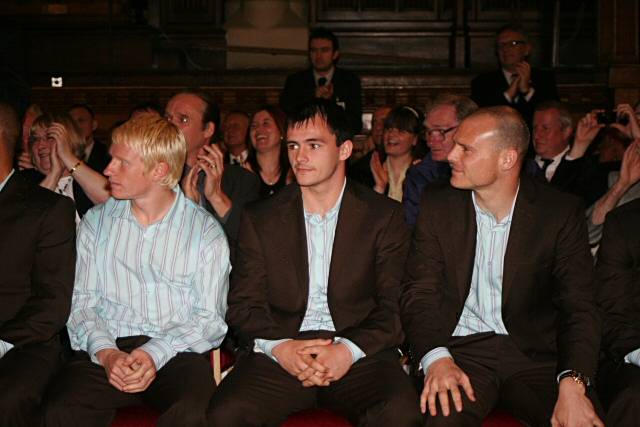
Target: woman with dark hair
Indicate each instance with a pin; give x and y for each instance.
(267, 151)
(402, 147)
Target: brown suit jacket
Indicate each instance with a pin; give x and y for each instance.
(270, 282)
(548, 303)
(37, 261)
(618, 271)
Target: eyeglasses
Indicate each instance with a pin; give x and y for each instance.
(439, 132)
(510, 44)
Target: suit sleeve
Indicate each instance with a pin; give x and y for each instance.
(381, 329)
(241, 187)
(579, 324)
(615, 272)
(248, 313)
(354, 106)
(45, 312)
(422, 295)
(289, 96)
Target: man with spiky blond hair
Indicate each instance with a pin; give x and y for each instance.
(150, 292)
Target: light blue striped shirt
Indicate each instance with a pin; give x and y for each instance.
(321, 231)
(482, 310)
(5, 346)
(168, 280)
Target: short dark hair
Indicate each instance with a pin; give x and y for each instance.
(513, 131)
(147, 106)
(334, 116)
(516, 28)
(324, 33)
(9, 127)
(406, 118)
(85, 106)
(211, 111)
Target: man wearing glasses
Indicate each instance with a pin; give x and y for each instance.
(442, 119)
(516, 83)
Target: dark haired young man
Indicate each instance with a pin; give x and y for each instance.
(324, 80)
(315, 297)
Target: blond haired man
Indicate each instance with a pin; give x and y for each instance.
(150, 291)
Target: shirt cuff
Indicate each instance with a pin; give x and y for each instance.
(4, 348)
(267, 346)
(356, 352)
(507, 97)
(435, 354)
(529, 94)
(633, 357)
(99, 340)
(159, 350)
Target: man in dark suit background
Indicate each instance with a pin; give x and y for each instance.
(498, 296)
(96, 152)
(315, 295)
(324, 80)
(516, 83)
(37, 261)
(618, 296)
(223, 190)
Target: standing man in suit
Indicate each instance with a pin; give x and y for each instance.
(315, 296)
(495, 311)
(324, 80)
(221, 189)
(37, 262)
(516, 83)
(618, 296)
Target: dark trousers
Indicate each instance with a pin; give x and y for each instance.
(82, 395)
(24, 374)
(258, 392)
(501, 375)
(619, 386)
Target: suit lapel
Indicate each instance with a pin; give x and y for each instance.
(293, 238)
(522, 224)
(350, 216)
(466, 249)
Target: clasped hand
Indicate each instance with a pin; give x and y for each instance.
(128, 372)
(444, 377)
(315, 362)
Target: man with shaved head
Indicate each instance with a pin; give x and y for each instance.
(498, 296)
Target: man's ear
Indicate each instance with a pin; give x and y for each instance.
(159, 171)
(94, 124)
(508, 159)
(336, 55)
(209, 130)
(345, 149)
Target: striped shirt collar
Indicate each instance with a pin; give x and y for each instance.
(481, 212)
(122, 209)
(331, 213)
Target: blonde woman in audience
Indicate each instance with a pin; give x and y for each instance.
(57, 148)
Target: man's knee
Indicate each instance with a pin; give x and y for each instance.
(18, 403)
(230, 412)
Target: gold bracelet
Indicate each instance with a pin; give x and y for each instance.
(73, 169)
